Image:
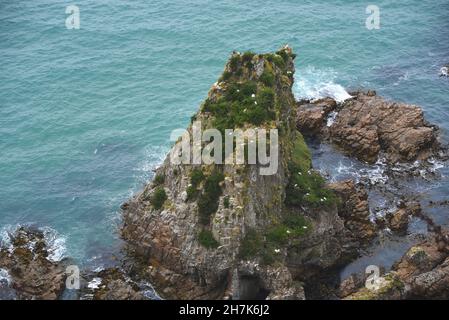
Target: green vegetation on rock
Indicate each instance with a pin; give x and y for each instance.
(301, 154)
(196, 177)
(306, 186)
(268, 244)
(208, 200)
(206, 239)
(244, 99)
(267, 78)
(158, 198)
(226, 202)
(159, 179)
(242, 103)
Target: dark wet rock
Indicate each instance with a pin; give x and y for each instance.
(111, 284)
(312, 116)
(422, 273)
(354, 210)
(350, 285)
(368, 125)
(399, 220)
(33, 275)
(273, 283)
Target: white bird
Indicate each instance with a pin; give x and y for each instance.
(444, 71)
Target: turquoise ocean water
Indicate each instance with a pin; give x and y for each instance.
(85, 115)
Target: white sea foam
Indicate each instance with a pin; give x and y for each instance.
(5, 238)
(56, 244)
(331, 118)
(56, 247)
(94, 284)
(153, 157)
(5, 277)
(148, 291)
(312, 84)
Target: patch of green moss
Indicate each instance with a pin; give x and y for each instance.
(301, 156)
(284, 54)
(208, 200)
(159, 179)
(196, 177)
(246, 59)
(306, 186)
(267, 78)
(158, 198)
(251, 245)
(234, 62)
(241, 103)
(226, 202)
(226, 76)
(206, 239)
(276, 59)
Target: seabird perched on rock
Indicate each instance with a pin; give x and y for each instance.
(444, 71)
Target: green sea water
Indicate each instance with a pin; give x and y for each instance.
(86, 114)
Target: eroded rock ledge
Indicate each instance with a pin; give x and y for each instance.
(367, 126)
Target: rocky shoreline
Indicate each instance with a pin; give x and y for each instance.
(226, 232)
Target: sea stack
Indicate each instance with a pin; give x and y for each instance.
(226, 231)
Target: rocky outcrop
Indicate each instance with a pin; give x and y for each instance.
(32, 274)
(368, 125)
(264, 235)
(312, 116)
(354, 210)
(110, 284)
(195, 257)
(398, 221)
(422, 273)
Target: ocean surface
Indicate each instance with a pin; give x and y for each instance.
(86, 114)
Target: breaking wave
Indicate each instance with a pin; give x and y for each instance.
(312, 84)
(56, 243)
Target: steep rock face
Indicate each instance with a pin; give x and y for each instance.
(169, 237)
(367, 125)
(33, 275)
(226, 231)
